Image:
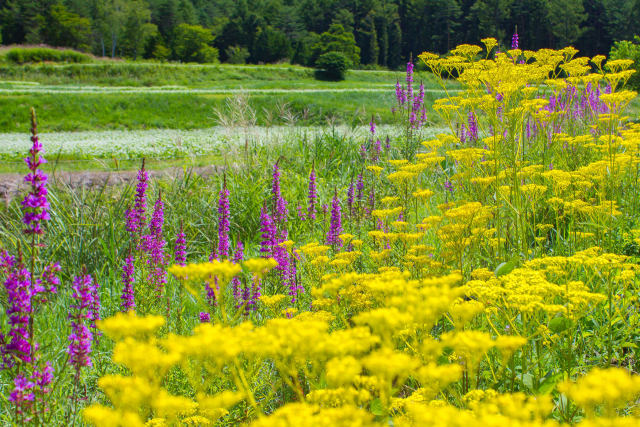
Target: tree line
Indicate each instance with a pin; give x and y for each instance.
(368, 32)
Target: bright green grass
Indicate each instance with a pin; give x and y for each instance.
(192, 75)
(71, 112)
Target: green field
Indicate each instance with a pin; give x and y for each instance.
(142, 96)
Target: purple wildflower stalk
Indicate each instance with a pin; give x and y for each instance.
(205, 317)
(35, 204)
(154, 244)
(335, 228)
(181, 248)
(223, 221)
(128, 279)
(81, 337)
(19, 348)
(313, 194)
(22, 396)
(139, 211)
(47, 284)
(472, 127)
(514, 40)
(268, 234)
(236, 283)
(350, 198)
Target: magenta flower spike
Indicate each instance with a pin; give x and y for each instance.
(128, 280)
(335, 228)
(140, 204)
(236, 283)
(19, 310)
(154, 244)
(180, 253)
(313, 194)
(35, 204)
(81, 338)
(223, 221)
(515, 40)
(268, 234)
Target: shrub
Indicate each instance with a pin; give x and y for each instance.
(237, 54)
(192, 44)
(332, 66)
(626, 49)
(20, 55)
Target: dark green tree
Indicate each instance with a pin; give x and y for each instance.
(271, 45)
(336, 39)
(566, 18)
(192, 43)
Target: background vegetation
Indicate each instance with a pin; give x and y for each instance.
(369, 32)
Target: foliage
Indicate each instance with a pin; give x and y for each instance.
(237, 55)
(629, 50)
(19, 55)
(386, 32)
(193, 44)
(333, 65)
(336, 39)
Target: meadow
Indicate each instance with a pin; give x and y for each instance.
(471, 258)
(110, 95)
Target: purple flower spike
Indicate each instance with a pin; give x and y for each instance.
(472, 127)
(154, 244)
(205, 317)
(350, 198)
(335, 228)
(84, 293)
(223, 221)
(19, 310)
(22, 395)
(140, 206)
(313, 194)
(514, 40)
(35, 204)
(128, 293)
(268, 234)
(280, 212)
(236, 282)
(181, 248)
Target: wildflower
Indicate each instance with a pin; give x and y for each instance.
(48, 281)
(514, 40)
(313, 194)
(235, 282)
(205, 317)
(336, 223)
(350, 198)
(140, 205)
(154, 243)
(22, 395)
(80, 339)
(35, 204)
(127, 297)
(268, 233)
(359, 188)
(472, 126)
(19, 311)
(223, 221)
(280, 204)
(180, 248)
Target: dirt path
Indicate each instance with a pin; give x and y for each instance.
(12, 185)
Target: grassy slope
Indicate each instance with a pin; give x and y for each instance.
(94, 111)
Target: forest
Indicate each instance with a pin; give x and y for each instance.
(371, 33)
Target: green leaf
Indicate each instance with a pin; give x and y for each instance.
(376, 407)
(560, 324)
(505, 268)
(549, 383)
